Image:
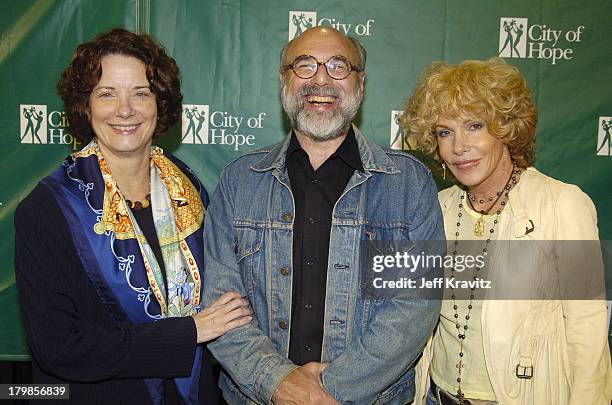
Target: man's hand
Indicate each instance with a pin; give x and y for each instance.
(303, 386)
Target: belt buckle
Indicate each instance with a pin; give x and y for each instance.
(524, 372)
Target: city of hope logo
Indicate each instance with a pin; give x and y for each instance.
(512, 38)
(38, 126)
(517, 39)
(397, 136)
(604, 137)
(200, 126)
(194, 124)
(33, 123)
(300, 21)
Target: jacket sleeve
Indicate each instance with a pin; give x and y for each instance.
(398, 328)
(246, 353)
(586, 329)
(50, 282)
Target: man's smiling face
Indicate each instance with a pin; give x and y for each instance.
(320, 107)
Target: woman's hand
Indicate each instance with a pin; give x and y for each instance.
(226, 313)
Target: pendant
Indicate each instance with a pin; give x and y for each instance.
(479, 227)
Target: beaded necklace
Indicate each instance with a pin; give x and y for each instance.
(462, 329)
(138, 205)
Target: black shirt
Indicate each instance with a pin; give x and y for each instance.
(315, 194)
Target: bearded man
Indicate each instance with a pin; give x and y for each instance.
(284, 227)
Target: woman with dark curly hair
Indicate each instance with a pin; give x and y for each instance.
(109, 247)
(478, 120)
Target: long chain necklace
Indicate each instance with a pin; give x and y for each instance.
(462, 329)
(479, 226)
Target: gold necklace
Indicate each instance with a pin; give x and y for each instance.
(479, 227)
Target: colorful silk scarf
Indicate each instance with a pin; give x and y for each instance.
(117, 257)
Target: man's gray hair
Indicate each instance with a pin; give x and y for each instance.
(361, 52)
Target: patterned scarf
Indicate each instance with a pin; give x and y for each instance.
(117, 257)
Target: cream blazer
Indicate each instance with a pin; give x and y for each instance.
(564, 344)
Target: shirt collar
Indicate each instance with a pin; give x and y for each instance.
(348, 150)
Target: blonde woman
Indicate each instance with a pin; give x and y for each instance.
(478, 120)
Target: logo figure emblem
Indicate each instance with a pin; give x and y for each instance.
(397, 136)
(604, 136)
(300, 21)
(512, 37)
(33, 123)
(194, 124)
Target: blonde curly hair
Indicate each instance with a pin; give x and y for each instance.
(490, 90)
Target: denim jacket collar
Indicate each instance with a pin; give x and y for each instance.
(373, 158)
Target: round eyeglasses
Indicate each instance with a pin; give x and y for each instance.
(338, 67)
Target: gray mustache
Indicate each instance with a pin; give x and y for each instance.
(313, 90)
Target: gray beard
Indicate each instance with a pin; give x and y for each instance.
(320, 126)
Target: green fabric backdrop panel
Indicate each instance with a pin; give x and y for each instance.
(228, 52)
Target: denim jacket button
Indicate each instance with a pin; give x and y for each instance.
(282, 325)
(287, 217)
(284, 270)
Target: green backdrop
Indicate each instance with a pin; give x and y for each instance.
(228, 52)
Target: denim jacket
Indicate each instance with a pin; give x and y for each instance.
(371, 345)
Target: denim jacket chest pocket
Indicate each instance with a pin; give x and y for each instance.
(382, 232)
(248, 243)
(378, 239)
(385, 239)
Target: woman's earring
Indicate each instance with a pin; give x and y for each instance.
(443, 171)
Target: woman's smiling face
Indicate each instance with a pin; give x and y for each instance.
(122, 108)
(472, 154)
